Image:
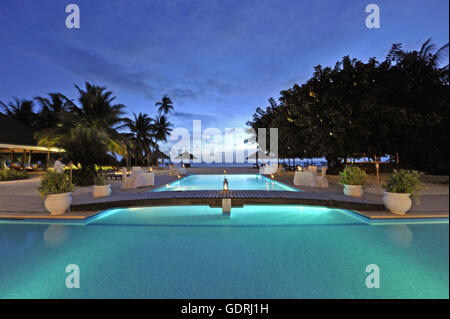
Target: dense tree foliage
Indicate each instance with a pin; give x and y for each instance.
(20, 110)
(87, 131)
(397, 106)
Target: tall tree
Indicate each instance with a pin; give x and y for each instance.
(142, 135)
(165, 106)
(96, 120)
(399, 106)
(51, 110)
(162, 128)
(20, 110)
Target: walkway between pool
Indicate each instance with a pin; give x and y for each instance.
(238, 199)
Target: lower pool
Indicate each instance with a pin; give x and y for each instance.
(195, 252)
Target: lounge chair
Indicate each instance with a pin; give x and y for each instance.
(127, 181)
(269, 169)
(280, 170)
(173, 170)
(181, 170)
(322, 179)
(112, 175)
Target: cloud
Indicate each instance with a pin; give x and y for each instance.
(186, 120)
(194, 116)
(96, 67)
(91, 66)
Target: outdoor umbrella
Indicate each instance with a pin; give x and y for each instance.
(185, 156)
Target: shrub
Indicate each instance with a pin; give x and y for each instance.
(100, 179)
(7, 174)
(352, 175)
(84, 176)
(55, 183)
(404, 181)
(86, 146)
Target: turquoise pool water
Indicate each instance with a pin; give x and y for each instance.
(215, 182)
(195, 252)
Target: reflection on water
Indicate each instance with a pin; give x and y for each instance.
(401, 235)
(56, 235)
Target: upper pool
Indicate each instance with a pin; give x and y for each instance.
(236, 182)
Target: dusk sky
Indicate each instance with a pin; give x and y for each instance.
(217, 59)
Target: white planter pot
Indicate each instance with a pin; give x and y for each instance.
(58, 204)
(353, 190)
(397, 203)
(101, 190)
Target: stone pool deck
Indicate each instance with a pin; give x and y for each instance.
(20, 200)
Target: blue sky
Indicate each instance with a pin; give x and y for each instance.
(217, 59)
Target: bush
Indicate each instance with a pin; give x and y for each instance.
(352, 175)
(405, 182)
(55, 183)
(100, 179)
(86, 146)
(84, 176)
(7, 174)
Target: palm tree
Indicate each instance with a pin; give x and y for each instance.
(162, 128)
(141, 136)
(96, 116)
(98, 111)
(20, 110)
(165, 105)
(433, 58)
(51, 109)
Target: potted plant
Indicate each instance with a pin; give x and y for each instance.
(101, 188)
(353, 178)
(398, 189)
(57, 189)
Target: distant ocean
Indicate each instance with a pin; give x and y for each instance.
(316, 161)
(298, 161)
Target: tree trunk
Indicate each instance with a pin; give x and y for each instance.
(334, 164)
(377, 168)
(24, 157)
(47, 161)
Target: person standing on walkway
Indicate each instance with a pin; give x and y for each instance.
(59, 166)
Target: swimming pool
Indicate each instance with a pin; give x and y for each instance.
(235, 181)
(195, 252)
